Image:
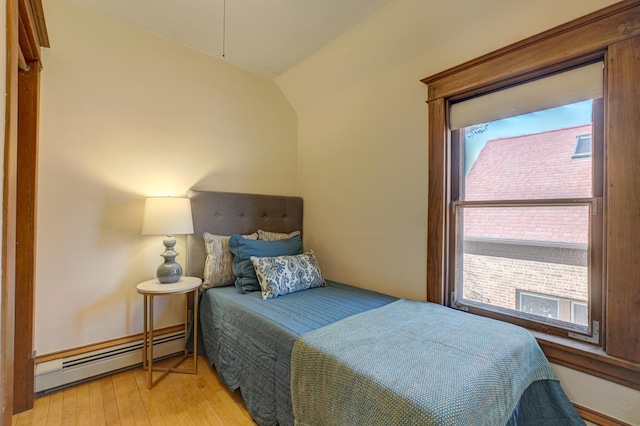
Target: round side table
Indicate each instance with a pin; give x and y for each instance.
(150, 289)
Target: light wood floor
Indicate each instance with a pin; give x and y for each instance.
(123, 399)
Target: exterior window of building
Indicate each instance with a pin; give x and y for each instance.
(550, 306)
(539, 304)
(579, 313)
(583, 147)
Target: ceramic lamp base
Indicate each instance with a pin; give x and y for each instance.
(170, 271)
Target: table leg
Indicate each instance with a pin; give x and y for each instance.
(144, 335)
(195, 331)
(150, 350)
(186, 322)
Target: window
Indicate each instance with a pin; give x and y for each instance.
(583, 147)
(551, 306)
(515, 186)
(539, 305)
(602, 243)
(579, 314)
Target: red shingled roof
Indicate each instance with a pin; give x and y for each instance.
(536, 166)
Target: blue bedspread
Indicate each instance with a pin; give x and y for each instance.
(249, 340)
(414, 363)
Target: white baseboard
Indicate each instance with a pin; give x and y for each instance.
(57, 373)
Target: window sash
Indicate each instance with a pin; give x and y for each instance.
(457, 245)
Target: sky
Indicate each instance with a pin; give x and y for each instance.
(540, 121)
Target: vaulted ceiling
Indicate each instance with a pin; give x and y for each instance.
(264, 36)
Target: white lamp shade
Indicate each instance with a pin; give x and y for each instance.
(167, 216)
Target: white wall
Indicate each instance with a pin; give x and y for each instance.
(126, 114)
(363, 143)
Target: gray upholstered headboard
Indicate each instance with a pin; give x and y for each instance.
(228, 213)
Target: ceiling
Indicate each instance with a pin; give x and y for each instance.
(264, 36)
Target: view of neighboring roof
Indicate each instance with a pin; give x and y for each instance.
(535, 166)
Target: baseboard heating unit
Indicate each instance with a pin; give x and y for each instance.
(57, 373)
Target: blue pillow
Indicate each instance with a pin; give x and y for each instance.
(246, 279)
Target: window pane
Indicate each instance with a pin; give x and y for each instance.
(541, 155)
(524, 260)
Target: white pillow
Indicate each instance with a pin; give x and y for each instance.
(287, 274)
(218, 266)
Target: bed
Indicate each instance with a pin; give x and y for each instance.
(330, 354)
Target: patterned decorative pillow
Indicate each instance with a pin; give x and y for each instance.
(275, 236)
(218, 266)
(287, 274)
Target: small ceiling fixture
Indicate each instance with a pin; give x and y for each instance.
(224, 25)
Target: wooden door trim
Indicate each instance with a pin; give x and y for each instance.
(26, 34)
(27, 180)
(9, 190)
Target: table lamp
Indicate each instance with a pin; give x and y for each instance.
(168, 216)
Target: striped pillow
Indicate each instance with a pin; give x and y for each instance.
(275, 236)
(218, 266)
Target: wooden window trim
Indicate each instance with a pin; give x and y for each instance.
(612, 33)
